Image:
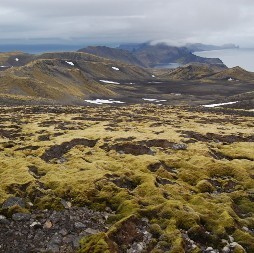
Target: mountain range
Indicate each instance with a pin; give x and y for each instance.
(125, 72)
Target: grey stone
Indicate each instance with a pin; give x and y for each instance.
(68, 238)
(53, 248)
(56, 239)
(13, 201)
(91, 231)
(2, 217)
(76, 242)
(66, 204)
(226, 249)
(21, 216)
(36, 225)
(79, 225)
(63, 232)
(179, 146)
(4, 220)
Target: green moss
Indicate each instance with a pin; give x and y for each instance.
(99, 177)
(96, 244)
(49, 202)
(244, 239)
(245, 204)
(205, 186)
(238, 249)
(156, 230)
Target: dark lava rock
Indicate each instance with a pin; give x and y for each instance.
(129, 148)
(125, 183)
(33, 170)
(58, 151)
(13, 201)
(154, 167)
(164, 181)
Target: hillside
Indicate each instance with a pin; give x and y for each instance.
(233, 74)
(193, 71)
(14, 59)
(113, 53)
(67, 77)
(73, 77)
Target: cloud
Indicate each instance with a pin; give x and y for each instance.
(174, 21)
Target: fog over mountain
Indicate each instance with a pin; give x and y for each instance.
(95, 21)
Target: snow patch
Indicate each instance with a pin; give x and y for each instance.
(99, 101)
(70, 63)
(115, 68)
(176, 94)
(16, 59)
(153, 76)
(106, 81)
(3, 66)
(149, 99)
(154, 100)
(215, 105)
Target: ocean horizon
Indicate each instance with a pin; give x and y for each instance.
(242, 57)
(43, 48)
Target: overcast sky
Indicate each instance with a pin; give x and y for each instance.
(94, 21)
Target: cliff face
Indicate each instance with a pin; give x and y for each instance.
(152, 56)
(196, 47)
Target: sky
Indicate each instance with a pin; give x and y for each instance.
(175, 22)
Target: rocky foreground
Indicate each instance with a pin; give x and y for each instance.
(126, 179)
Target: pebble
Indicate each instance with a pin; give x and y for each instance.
(21, 216)
(56, 239)
(79, 225)
(226, 249)
(246, 229)
(231, 238)
(48, 224)
(2, 217)
(63, 232)
(179, 146)
(91, 231)
(235, 244)
(66, 204)
(36, 225)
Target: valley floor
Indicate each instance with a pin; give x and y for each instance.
(140, 178)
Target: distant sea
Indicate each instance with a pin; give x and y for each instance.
(243, 57)
(45, 48)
